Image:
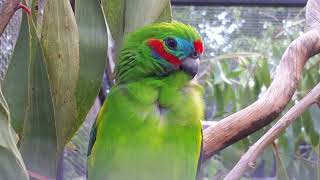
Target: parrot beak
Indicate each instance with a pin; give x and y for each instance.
(190, 65)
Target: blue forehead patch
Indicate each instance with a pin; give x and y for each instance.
(184, 48)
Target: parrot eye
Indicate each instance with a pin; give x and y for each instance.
(171, 43)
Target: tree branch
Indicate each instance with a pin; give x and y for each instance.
(7, 10)
(259, 114)
(254, 151)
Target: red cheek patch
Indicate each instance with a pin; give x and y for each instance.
(157, 46)
(198, 46)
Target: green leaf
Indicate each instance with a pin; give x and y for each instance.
(235, 73)
(60, 41)
(254, 137)
(12, 165)
(33, 116)
(218, 95)
(281, 169)
(17, 93)
(297, 125)
(290, 138)
(114, 12)
(244, 96)
(93, 53)
(140, 12)
(263, 73)
(39, 132)
(232, 154)
(230, 97)
(283, 142)
(219, 75)
(315, 116)
(307, 82)
(166, 15)
(256, 87)
(310, 128)
(126, 16)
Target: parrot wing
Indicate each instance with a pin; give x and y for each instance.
(93, 134)
(198, 177)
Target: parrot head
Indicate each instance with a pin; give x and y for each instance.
(158, 50)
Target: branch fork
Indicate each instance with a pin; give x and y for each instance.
(263, 111)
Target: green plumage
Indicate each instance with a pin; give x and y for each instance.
(149, 127)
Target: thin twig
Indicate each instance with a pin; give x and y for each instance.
(254, 151)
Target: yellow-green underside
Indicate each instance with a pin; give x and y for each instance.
(135, 142)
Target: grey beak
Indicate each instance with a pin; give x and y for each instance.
(190, 65)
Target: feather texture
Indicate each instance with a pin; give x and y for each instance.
(149, 127)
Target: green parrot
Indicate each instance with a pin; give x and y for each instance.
(149, 126)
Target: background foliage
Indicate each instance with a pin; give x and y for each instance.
(243, 47)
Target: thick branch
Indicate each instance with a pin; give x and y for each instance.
(254, 151)
(259, 114)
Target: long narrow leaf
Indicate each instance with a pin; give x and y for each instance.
(15, 84)
(39, 132)
(93, 39)
(126, 16)
(12, 165)
(140, 12)
(60, 42)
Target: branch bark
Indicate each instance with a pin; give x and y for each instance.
(254, 151)
(259, 114)
(7, 10)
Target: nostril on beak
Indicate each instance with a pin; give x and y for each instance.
(190, 65)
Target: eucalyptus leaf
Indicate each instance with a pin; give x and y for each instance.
(264, 72)
(256, 87)
(60, 41)
(126, 16)
(309, 126)
(114, 12)
(140, 12)
(93, 39)
(218, 95)
(307, 81)
(39, 132)
(297, 125)
(315, 115)
(12, 165)
(281, 169)
(290, 136)
(219, 74)
(33, 116)
(230, 97)
(15, 84)
(166, 15)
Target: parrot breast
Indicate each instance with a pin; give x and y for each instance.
(149, 129)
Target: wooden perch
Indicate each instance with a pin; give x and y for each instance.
(254, 151)
(259, 114)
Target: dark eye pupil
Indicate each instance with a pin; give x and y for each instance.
(171, 43)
